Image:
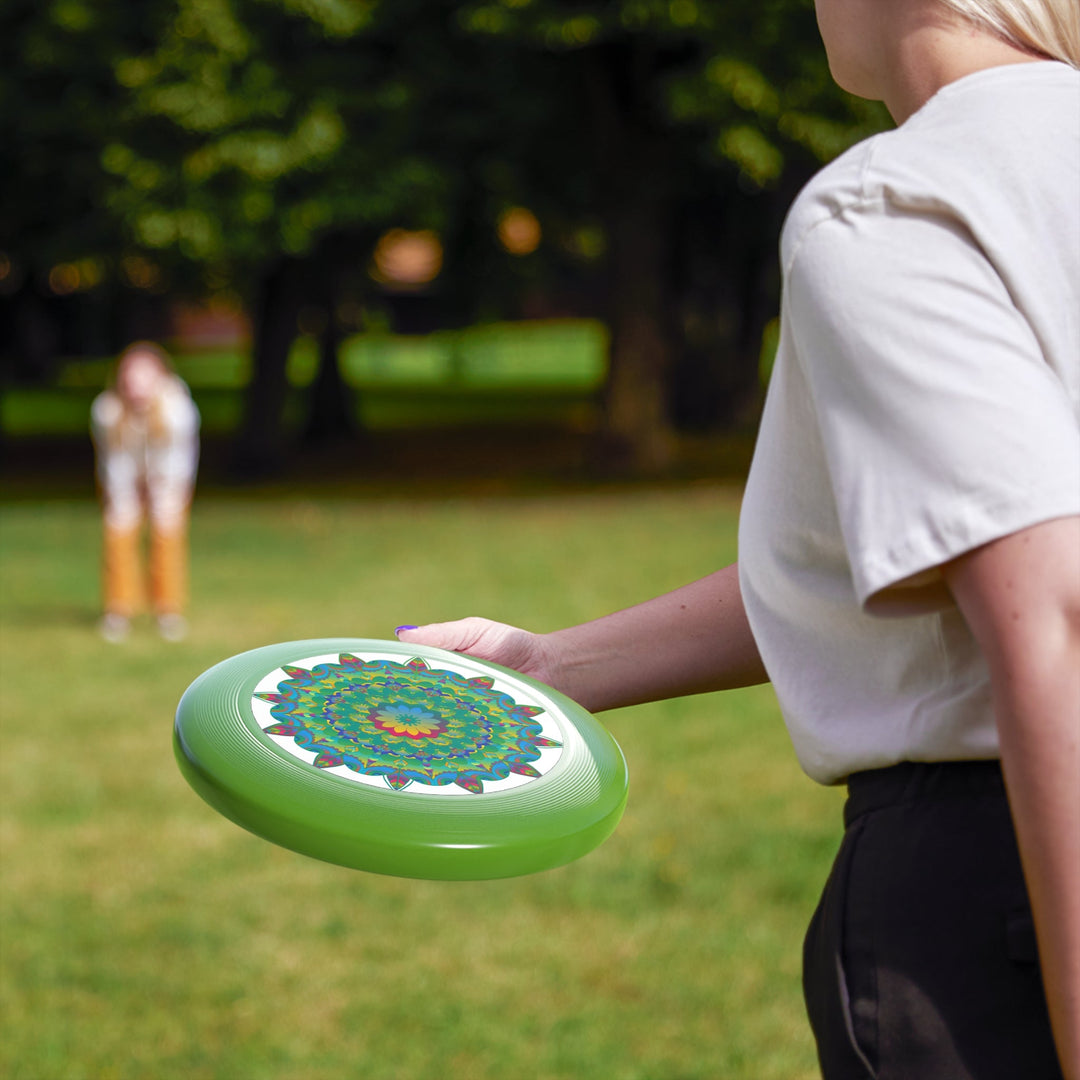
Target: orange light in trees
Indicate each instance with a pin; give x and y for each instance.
(519, 231)
(140, 272)
(407, 259)
(64, 279)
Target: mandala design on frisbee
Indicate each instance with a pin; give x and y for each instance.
(399, 725)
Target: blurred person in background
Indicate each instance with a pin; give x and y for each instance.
(909, 549)
(146, 437)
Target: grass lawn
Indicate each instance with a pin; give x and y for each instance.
(144, 936)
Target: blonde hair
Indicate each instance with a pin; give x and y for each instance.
(1048, 27)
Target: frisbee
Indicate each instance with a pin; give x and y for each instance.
(400, 759)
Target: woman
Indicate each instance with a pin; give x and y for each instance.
(145, 430)
(909, 574)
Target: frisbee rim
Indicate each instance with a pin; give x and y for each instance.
(235, 767)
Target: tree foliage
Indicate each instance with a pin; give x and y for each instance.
(263, 146)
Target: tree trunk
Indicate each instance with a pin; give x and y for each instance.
(35, 337)
(331, 415)
(637, 434)
(260, 448)
(727, 286)
(637, 426)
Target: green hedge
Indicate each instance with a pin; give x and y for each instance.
(546, 371)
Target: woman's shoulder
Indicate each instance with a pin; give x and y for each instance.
(177, 409)
(831, 192)
(107, 410)
(176, 389)
(997, 142)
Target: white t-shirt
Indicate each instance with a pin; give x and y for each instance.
(146, 462)
(925, 400)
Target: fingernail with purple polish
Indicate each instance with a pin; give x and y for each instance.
(398, 629)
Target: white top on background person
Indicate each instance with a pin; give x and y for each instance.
(146, 434)
(1001, 572)
(925, 401)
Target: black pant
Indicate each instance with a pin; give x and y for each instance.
(920, 961)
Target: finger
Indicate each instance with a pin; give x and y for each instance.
(456, 636)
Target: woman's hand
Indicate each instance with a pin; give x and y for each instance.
(501, 644)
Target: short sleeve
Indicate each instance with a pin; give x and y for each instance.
(944, 426)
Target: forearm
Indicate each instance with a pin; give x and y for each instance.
(1039, 727)
(690, 641)
(1021, 598)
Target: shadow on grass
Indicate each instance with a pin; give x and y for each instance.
(420, 463)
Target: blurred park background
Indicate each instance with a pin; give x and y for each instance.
(477, 301)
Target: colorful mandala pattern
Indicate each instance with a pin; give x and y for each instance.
(407, 723)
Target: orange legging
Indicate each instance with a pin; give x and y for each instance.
(124, 584)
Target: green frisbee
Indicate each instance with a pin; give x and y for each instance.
(400, 759)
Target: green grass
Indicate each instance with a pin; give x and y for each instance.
(145, 936)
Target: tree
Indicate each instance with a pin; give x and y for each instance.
(688, 107)
(59, 107)
(276, 140)
(262, 146)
